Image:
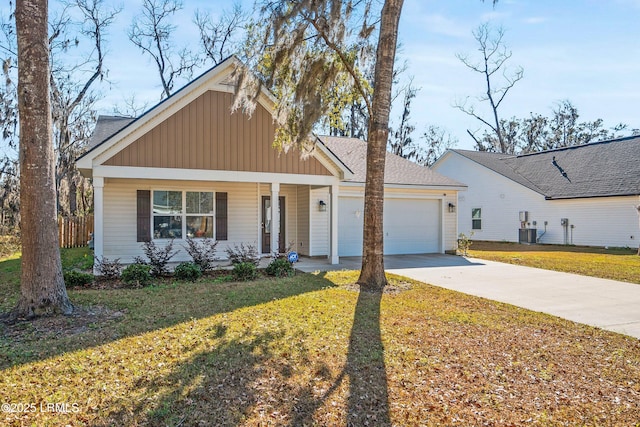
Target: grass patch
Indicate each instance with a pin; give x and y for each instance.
(311, 350)
(614, 263)
(75, 258)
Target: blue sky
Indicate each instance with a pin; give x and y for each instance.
(586, 51)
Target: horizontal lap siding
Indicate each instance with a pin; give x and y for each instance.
(205, 134)
(303, 219)
(500, 199)
(450, 220)
(319, 222)
(120, 215)
(598, 221)
(602, 221)
(291, 218)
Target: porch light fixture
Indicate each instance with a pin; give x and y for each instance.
(452, 207)
(322, 206)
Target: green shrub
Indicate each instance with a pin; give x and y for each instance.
(137, 275)
(187, 271)
(279, 267)
(240, 254)
(76, 279)
(158, 257)
(203, 252)
(245, 271)
(107, 268)
(464, 243)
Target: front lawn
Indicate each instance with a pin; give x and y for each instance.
(613, 263)
(311, 350)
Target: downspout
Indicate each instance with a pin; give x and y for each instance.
(543, 233)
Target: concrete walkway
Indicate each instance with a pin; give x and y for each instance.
(607, 304)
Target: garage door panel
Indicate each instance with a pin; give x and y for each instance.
(410, 226)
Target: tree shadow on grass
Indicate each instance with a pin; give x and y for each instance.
(217, 387)
(244, 380)
(368, 400)
(129, 312)
(368, 395)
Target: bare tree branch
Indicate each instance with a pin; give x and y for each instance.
(151, 32)
(494, 57)
(218, 39)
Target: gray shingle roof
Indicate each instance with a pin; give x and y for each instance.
(599, 169)
(107, 126)
(353, 153)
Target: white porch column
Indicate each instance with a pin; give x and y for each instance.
(98, 218)
(333, 254)
(275, 217)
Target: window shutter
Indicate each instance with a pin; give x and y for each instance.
(221, 216)
(144, 215)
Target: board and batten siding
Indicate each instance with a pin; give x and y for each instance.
(598, 221)
(120, 215)
(206, 135)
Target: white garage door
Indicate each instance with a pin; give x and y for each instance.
(411, 226)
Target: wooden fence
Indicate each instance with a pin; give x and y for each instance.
(75, 231)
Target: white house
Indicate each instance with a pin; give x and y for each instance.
(191, 167)
(583, 195)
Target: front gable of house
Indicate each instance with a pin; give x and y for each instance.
(205, 134)
(195, 130)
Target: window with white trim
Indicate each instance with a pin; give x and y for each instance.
(476, 218)
(181, 214)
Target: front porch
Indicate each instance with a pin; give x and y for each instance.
(301, 217)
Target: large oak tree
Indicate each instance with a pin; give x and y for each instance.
(42, 289)
(308, 54)
(372, 273)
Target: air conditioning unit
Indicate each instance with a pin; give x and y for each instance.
(528, 236)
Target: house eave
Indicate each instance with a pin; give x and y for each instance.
(345, 173)
(592, 196)
(130, 172)
(438, 187)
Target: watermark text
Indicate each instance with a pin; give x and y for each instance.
(57, 407)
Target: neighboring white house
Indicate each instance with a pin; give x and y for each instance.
(583, 195)
(191, 167)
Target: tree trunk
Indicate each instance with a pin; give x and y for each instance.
(73, 194)
(372, 277)
(42, 289)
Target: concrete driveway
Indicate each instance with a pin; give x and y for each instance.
(607, 304)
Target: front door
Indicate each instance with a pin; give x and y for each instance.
(266, 224)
